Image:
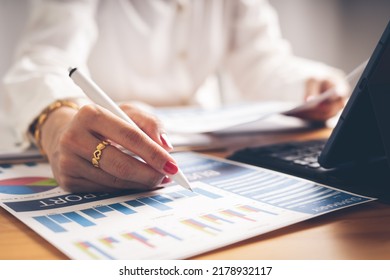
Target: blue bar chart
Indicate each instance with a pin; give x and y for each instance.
(91, 216)
(50, 224)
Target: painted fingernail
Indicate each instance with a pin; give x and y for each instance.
(170, 167)
(166, 180)
(165, 140)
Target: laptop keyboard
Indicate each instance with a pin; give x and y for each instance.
(295, 158)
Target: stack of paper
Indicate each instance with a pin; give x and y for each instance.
(201, 120)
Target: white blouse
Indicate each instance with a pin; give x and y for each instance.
(155, 51)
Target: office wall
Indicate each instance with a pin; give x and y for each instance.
(13, 15)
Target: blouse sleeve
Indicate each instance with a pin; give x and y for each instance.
(59, 34)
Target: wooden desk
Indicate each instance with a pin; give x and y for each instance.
(359, 232)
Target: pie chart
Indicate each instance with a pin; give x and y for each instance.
(27, 185)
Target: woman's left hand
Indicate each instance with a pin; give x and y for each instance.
(327, 108)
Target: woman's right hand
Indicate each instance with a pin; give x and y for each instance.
(70, 137)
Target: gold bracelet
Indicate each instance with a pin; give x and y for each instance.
(36, 127)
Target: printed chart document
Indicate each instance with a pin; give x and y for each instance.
(231, 202)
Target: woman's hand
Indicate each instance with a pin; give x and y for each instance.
(70, 138)
(327, 108)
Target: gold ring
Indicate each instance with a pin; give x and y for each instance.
(97, 154)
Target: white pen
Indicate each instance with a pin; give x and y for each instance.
(97, 95)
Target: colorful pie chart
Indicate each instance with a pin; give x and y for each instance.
(27, 185)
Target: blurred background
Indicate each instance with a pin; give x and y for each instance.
(341, 33)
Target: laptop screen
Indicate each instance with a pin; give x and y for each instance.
(358, 136)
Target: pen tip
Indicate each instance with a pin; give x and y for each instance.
(180, 178)
(71, 70)
(187, 185)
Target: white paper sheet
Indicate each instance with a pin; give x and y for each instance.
(231, 118)
(200, 120)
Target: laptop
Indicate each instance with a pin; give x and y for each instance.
(356, 156)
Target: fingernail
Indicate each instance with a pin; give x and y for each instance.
(310, 97)
(170, 167)
(165, 140)
(166, 180)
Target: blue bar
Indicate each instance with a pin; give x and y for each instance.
(121, 208)
(206, 193)
(103, 209)
(31, 163)
(79, 219)
(93, 213)
(161, 199)
(59, 218)
(187, 193)
(134, 203)
(155, 204)
(50, 224)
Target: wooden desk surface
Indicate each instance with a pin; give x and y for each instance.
(359, 232)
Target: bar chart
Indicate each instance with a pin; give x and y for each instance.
(89, 217)
(151, 238)
(218, 221)
(195, 228)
